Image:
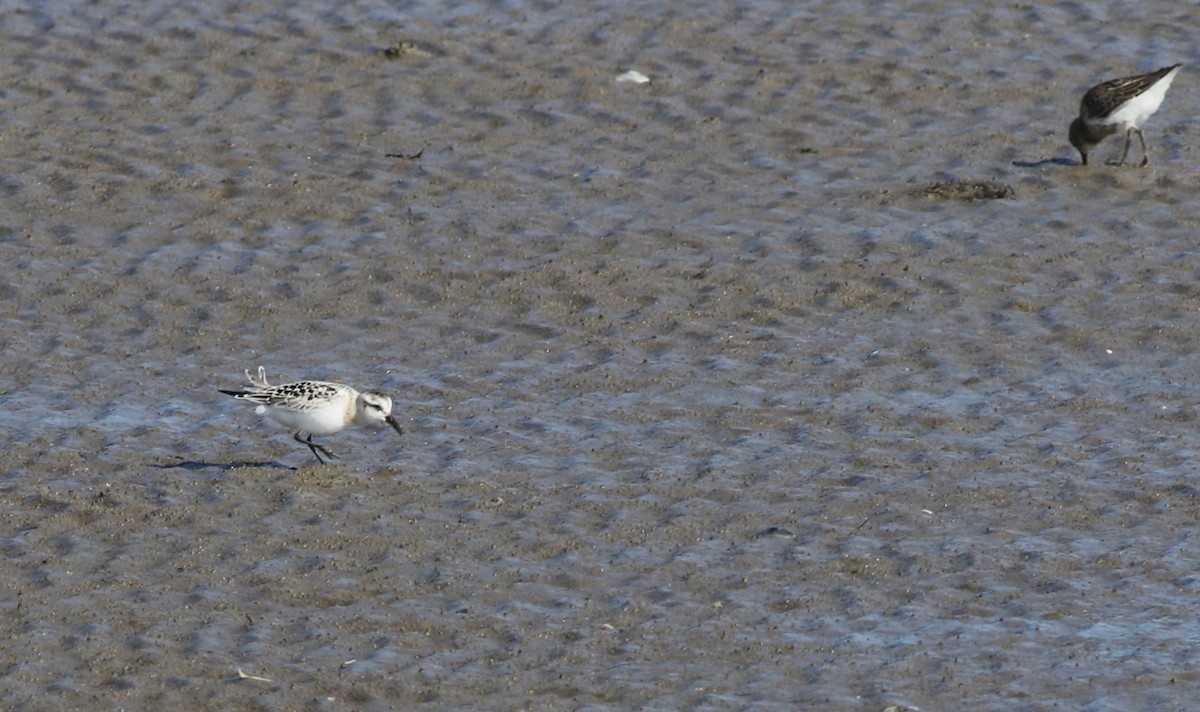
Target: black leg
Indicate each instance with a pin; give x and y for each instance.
(1145, 156)
(316, 448)
(1125, 153)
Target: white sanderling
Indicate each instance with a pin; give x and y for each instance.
(315, 407)
(1120, 105)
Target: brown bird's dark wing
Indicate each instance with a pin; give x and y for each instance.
(1103, 99)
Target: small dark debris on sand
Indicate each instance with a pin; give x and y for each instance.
(969, 190)
(403, 49)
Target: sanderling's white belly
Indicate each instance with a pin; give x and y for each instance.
(322, 421)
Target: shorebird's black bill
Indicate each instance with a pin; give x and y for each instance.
(391, 420)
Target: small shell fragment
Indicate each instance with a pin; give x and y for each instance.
(633, 76)
(246, 676)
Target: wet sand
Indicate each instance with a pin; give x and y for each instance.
(720, 391)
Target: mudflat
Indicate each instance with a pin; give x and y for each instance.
(813, 373)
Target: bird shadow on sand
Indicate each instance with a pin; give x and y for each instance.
(1046, 162)
(194, 465)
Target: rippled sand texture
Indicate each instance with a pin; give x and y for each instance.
(720, 391)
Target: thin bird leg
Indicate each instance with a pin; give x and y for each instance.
(1126, 151)
(315, 447)
(1145, 156)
